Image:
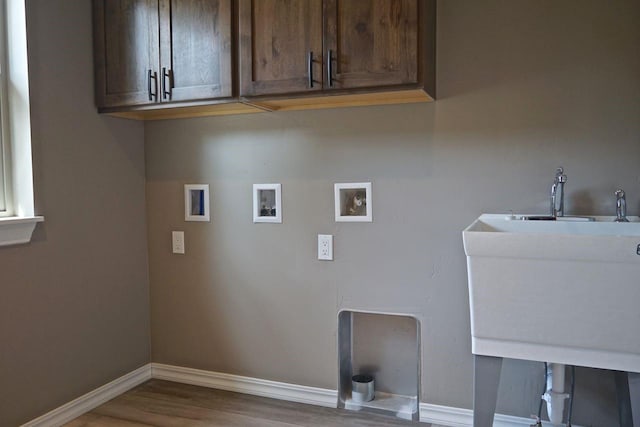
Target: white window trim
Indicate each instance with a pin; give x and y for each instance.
(18, 223)
(16, 230)
(5, 171)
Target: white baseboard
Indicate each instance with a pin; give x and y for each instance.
(443, 415)
(459, 417)
(265, 388)
(93, 399)
(436, 414)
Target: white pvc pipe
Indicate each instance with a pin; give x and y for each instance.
(555, 395)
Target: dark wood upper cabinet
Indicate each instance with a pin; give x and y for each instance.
(371, 43)
(195, 49)
(356, 44)
(280, 46)
(155, 51)
(157, 59)
(126, 50)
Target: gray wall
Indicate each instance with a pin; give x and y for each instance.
(523, 87)
(74, 310)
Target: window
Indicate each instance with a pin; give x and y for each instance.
(17, 218)
(3, 84)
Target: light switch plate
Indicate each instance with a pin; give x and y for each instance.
(177, 239)
(325, 247)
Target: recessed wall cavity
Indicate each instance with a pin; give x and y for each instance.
(386, 347)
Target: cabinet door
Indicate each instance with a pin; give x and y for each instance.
(126, 51)
(280, 46)
(372, 42)
(195, 48)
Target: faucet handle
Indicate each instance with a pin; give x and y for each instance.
(621, 206)
(560, 176)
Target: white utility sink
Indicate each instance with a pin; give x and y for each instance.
(557, 291)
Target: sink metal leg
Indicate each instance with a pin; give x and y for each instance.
(628, 393)
(634, 395)
(486, 379)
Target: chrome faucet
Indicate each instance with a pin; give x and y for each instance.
(557, 193)
(621, 207)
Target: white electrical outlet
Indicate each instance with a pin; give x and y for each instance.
(325, 247)
(177, 238)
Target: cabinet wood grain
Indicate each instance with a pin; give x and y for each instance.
(373, 43)
(195, 53)
(276, 39)
(160, 51)
(357, 45)
(126, 49)
(189, 55)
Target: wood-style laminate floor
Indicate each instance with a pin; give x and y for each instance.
(164, 403)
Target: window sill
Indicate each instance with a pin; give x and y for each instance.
(17, 230)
